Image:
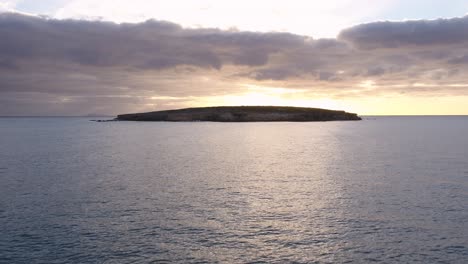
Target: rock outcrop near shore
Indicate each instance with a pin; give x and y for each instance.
(243, 114)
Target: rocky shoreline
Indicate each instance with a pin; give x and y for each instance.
(243, 114)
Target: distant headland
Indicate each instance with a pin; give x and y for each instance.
(243, 114)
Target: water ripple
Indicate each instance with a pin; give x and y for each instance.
(75, 192)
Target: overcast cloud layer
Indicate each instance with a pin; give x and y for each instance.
(73, 67)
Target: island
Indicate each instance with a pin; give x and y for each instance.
(243, 114)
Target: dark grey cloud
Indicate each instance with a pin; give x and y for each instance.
(81, 67)
(149, 45)
(7, 64)
(152, 44)
(410, 33)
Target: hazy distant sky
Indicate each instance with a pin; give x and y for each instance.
(81, 57)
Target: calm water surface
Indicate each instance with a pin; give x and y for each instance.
(387, 189)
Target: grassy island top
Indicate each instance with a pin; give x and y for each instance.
(243, 114)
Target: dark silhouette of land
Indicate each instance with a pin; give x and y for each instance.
(243, 114)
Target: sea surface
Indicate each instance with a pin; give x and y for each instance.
(385, 189)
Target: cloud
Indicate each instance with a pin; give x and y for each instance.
(80, 67)
(149, 45)
(409, 33)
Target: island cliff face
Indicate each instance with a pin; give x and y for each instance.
(243, 114)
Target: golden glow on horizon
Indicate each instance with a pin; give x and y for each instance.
(262, 95)
(389, 104)
(449, 105)
(255, 98)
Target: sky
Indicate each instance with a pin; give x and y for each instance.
(83, 57)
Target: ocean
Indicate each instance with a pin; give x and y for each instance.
(385, 189)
